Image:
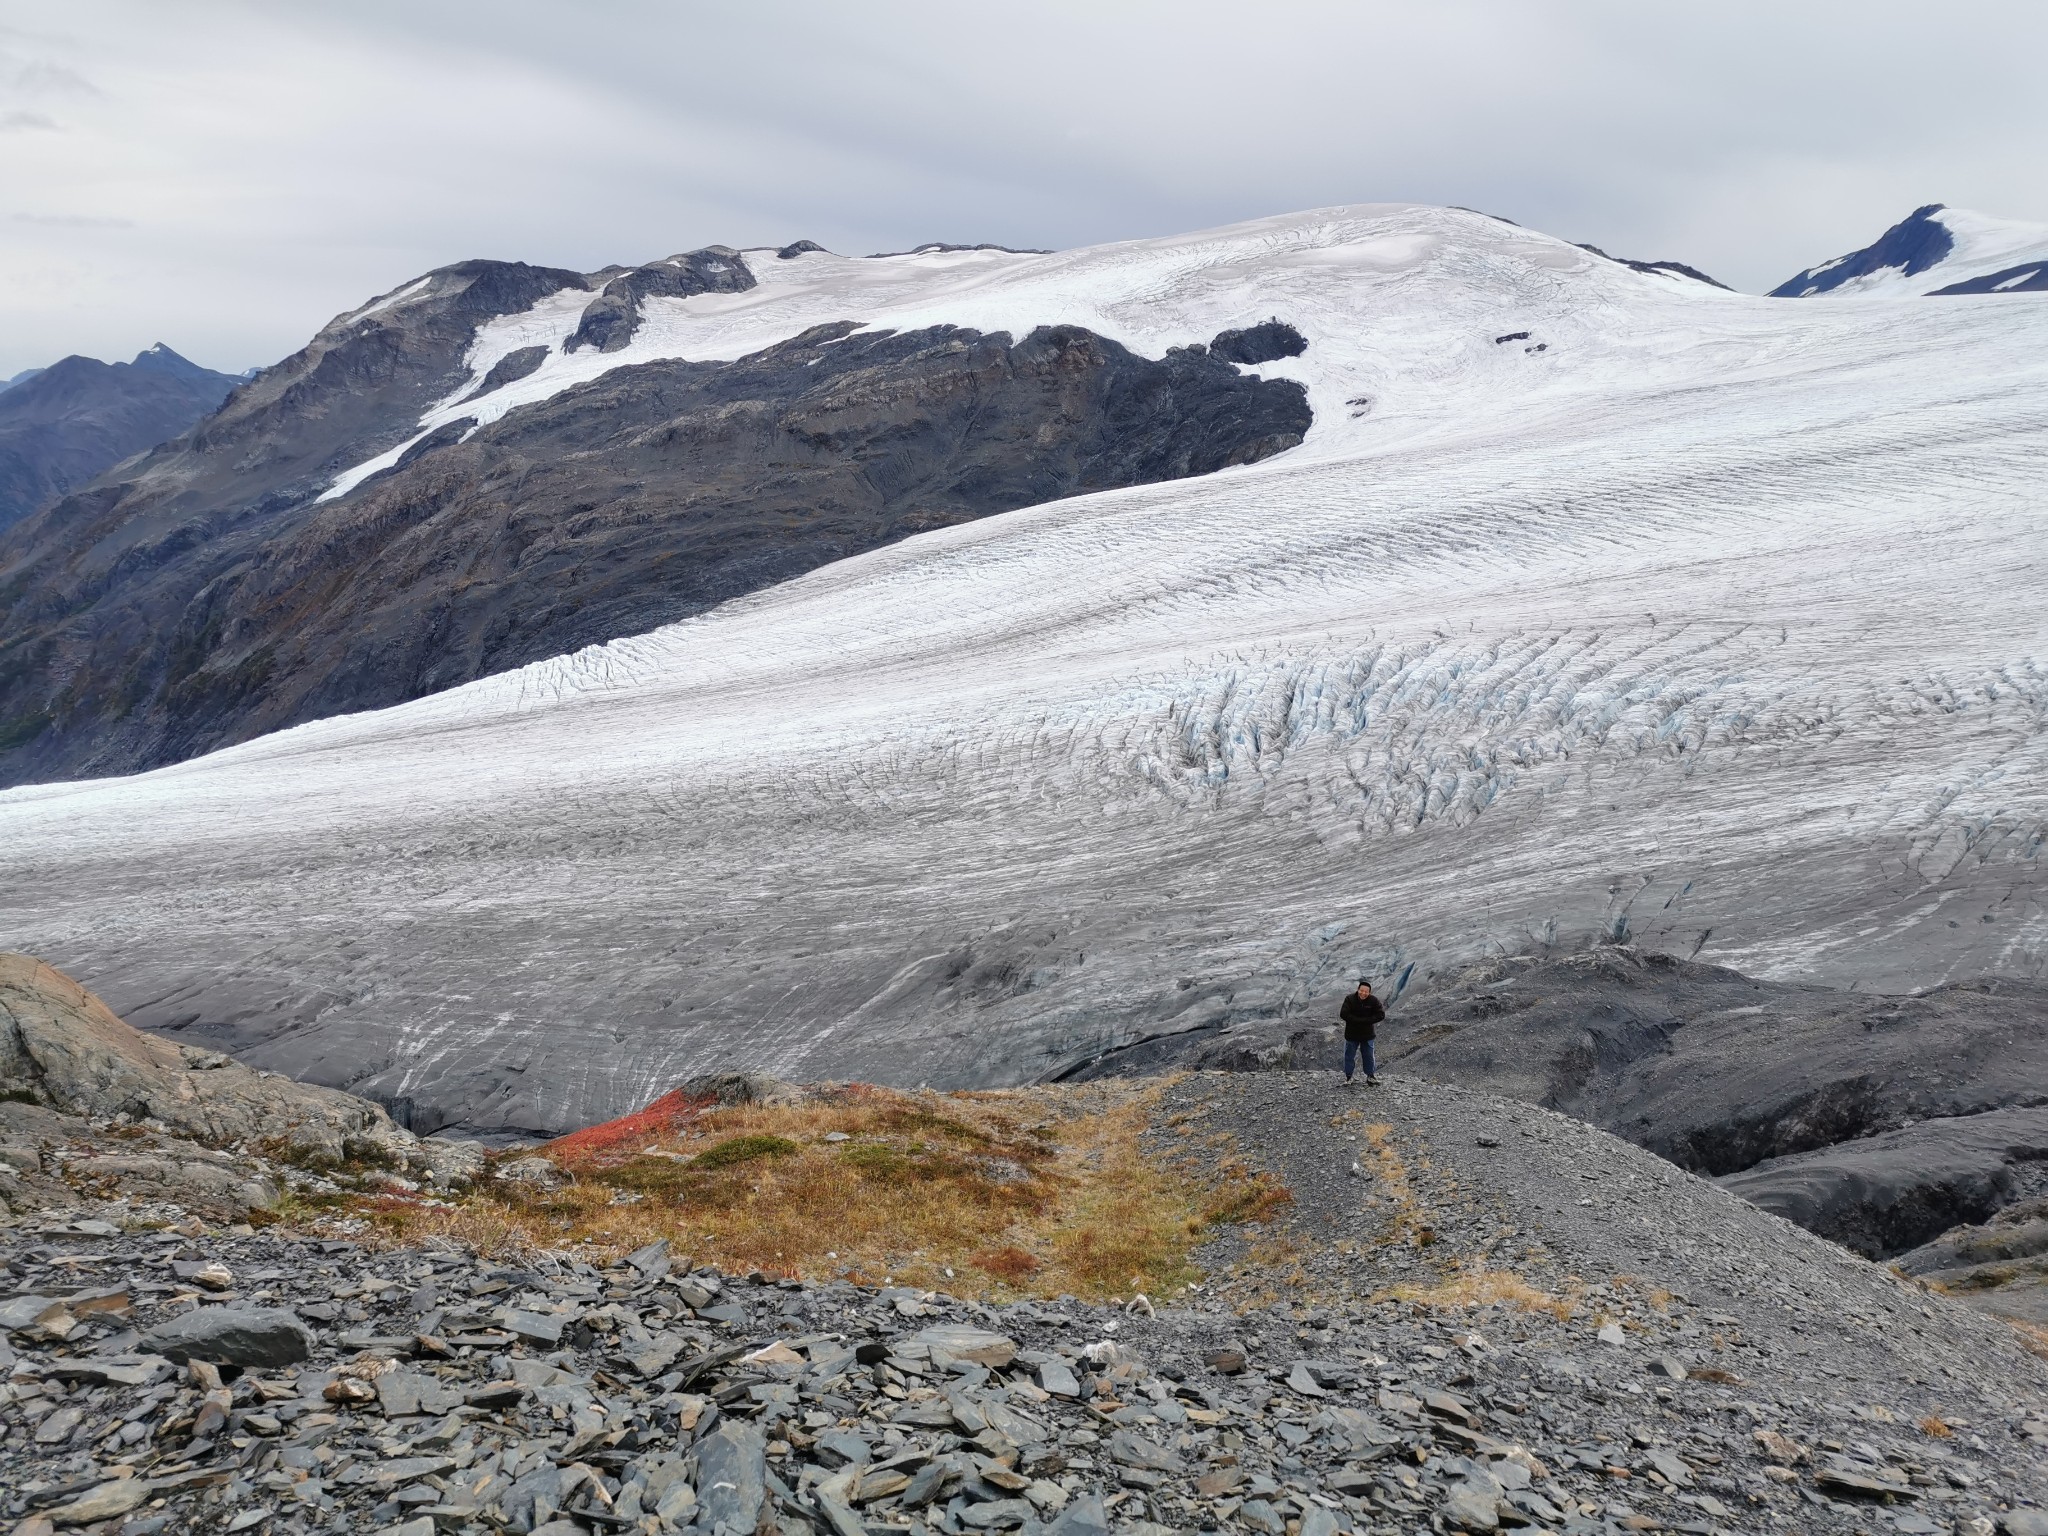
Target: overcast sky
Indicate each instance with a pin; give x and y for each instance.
(225, 177)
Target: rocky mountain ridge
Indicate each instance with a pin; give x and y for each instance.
(1465, 1311)
(223, 588)
(1935, 250)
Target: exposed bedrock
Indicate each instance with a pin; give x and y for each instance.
(1885, 1194)
(614, 315)
(63, 1049)
(1915, 243)
(2000, 1265)
(650, 494)
(1267, 342)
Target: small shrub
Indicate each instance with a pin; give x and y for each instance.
(663, 1176)
(1935, 1427)
(1011, 1264)
(742, 1149)
(875, 1160)
(1246, 1198)
(908, 1121)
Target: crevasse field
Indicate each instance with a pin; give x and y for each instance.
(1710, 620)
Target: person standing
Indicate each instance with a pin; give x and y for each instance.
(1361, 1013)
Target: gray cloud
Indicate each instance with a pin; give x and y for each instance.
(287, 162)
(69, 221)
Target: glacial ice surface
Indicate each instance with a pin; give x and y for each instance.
(1712, 620)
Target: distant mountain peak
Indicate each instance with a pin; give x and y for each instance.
(159, 358)
(1935, 249)
(62, 425)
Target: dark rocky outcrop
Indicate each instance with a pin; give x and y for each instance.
(1659, 268)
(1884, 1194)
(614, 315)
(2000, 1265)
(2028, 277)
(188, 608)
(1267, 342)
(931, 247)
(510, 369)
(62, 426)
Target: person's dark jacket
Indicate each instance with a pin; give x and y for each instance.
(1360, 1015)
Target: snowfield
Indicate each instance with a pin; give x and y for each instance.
(1712, 620)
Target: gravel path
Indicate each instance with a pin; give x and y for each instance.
(1823, 1345)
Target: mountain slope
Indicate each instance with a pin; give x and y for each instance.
(1591, 602)
(61, 426)
(1935, 250)
(370, 525)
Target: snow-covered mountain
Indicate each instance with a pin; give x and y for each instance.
(1935, 250)
(1592, 601)
(499, 463)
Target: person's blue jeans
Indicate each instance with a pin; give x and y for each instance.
(1353, 1049)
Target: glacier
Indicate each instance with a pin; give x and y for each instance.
(1595, 602)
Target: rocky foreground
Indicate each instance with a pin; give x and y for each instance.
(1446, 1310)
(201, 1378)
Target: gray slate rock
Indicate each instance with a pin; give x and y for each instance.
(260, 1337)
(1134, 1450)
(732, 1480)
(403, 1393)
(1083, 1516)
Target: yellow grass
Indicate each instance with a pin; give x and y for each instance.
(1477, 1286)
(1019, 1192)
(2033, 1337)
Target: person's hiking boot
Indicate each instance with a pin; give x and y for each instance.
(1372, 1082)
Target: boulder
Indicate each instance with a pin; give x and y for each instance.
(732, 1478)
(60, 1046)
(960, 1341)
(534, 1172)
(104, 1502)
(261, 1337)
